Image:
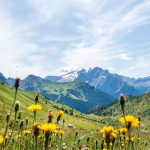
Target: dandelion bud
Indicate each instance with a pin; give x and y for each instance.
(7, 117)
(78, 141)
(17, 106)
(37, 98)
(139, 118)
(36, 130)
(76, 134)
(50, 116)
(88, 139)
(17, 83)
(63, 122)
(27, 121)
(122, 101)
(21, 124)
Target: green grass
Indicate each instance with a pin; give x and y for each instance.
(27, 98)
(87, 126)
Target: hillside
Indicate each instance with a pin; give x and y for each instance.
(27, 98)
(84, 130)
(78, 95)
(134, 105)
(101, 79)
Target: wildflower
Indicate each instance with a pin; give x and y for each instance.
(76, 135)
(108, 134)
(122, 101)
(27, 132)
(63, 122)
(132, 139)
(50, 116)
(35, 129)
(129, 121)
(36, 98)
(51, 113)
(21, 124)
(17, 106)
(17, 83)
(1, 140)
(61, 132)
(27, 121)
(7, 117)
(35, 108)
(123, 130)
(108, 131)
(60, 114)
(139, 118)
(18, 136)
(48, 127)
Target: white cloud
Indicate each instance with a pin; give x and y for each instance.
(124, 56)
(101, 46)
(70, 34)
(12, 45)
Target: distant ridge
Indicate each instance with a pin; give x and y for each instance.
(105, 81)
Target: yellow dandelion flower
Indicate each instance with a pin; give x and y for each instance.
(35, 108)
(108, 131)
(123, 130)
(132, 139)
(60, 113)
(130, 121)
(59, 131)
(56, 131)
(48, 127)
(27, 132)
(1, 140)
(18, 136)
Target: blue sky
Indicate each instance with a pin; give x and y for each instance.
(47, 37)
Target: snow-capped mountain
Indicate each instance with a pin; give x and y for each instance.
(105, 81)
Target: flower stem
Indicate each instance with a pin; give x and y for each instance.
(6, 128)
(46, 140)
(35, 142)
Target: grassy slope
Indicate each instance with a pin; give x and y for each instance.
(83, 126)
(27, 98)
(134, 105)
(80, 96)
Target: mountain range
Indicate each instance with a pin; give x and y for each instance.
(107, 82)
(84, 89)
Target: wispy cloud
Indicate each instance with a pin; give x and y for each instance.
(102, 46)
(47, 36)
